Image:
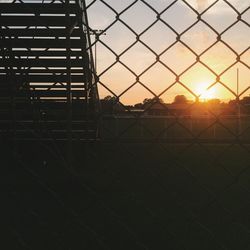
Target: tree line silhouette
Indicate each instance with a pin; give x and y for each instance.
(111, 104)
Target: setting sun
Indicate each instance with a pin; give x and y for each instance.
(204, 93)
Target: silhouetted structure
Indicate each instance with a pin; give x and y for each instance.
(47, 81)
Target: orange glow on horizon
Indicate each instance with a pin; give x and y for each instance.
(204, 93)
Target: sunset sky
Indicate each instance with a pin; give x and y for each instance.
(159, 37)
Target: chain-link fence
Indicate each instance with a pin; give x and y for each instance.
(189, 48)
(171, 167)
(189, 160)
(185, 162)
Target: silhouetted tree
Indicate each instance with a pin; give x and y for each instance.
(180, 99)
(110, 104)
(138, 105)
(214, 101)
(245, 100)
(109, 98)
(152, 100)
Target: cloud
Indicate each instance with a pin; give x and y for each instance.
(201, 4)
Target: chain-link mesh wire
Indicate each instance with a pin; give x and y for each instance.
(198, 36)
(197, 153)
(172, 177)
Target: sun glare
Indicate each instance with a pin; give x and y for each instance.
(204, 93)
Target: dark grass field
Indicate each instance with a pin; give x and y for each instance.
(124, 194)
(178, 196)
(179, 127)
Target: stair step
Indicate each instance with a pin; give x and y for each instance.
(38, 32)
(40, 71)
(47, 21)
(41, 43)
(4, 80)
(41, 63)
(41, 53)
(45, 93)
(26, 8)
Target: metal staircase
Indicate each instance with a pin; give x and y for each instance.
(47, 76)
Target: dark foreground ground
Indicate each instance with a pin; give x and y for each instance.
(125, 196)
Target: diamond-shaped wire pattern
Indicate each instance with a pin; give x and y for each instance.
(192, 48)
(185, 37)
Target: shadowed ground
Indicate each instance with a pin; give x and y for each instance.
(127, 196)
